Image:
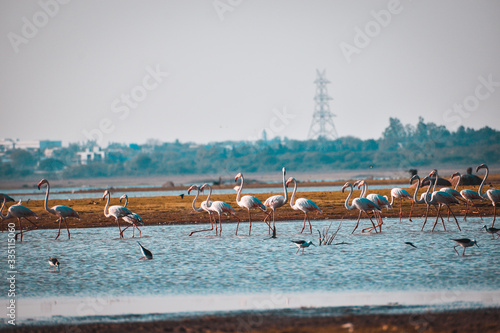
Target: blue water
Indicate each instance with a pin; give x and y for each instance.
(96, 263)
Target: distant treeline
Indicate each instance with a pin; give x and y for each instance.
(400, 146)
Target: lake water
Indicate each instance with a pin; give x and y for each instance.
(102, 278)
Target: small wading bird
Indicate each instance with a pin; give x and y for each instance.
(302, 244)
(465, 243)
(492, 194)
(132, 219)
(62, 212)
(411, 244)
(115, 211)
(362, 204)
(277, 201)
(53, 262)
(145, 252)
(219, 207)
(18, 211)
(492, 231)
(248, 202)
(302, 204)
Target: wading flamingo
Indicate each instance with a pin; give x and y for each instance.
(277, 201)
(492, 194)
(362, 204)
(219, 207)
(116, 211)
(402, 194)
(5, 198)
(132, 219)
(469, 196)
(248, 202)
(302, 204)
(19, 212)
(377, 199)
(62, 212)
(203, 207)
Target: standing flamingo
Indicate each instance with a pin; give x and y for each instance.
(132, 219)
(302, 204)
(402, 194)
(362, 204)
(492, 194)
(62, 212)
(218, 207)
(18, 211)
(377, 199)
(115, 211)
(247, 201)
(5, 198)
(276, 201)
(469, 196)
(203, 207)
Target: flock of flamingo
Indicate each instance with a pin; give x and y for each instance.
(371, 205)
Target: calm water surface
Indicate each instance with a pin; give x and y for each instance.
(95, 263)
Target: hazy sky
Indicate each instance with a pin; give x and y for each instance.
(204, 70)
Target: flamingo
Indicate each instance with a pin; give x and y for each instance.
(115, 211)
(469, 196)
(203, 207)
(302, 204)
(5, 198)
(422, 198)
(402, 194)
(362, 204)
(247, 201)
(132, 219)
(440, 199)
(378, 199)
(492, 194)
(62, 212)
(218, 207)
(18, 211)
(277, 201)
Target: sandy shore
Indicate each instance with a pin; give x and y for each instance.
(302, 320)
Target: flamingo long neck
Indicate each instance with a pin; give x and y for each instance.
(194, 201)
(426, 197)
(459, 180)
(349, 198)
(209, 195)
(292, 199)
(47, 198)
(1, 210)
(482, 183)
(126, 201)
(363, 191)
(435, 182)
(106, 211)
(238, 194)
(285, 189)
(416, 192)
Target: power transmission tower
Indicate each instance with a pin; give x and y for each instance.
(322, 124)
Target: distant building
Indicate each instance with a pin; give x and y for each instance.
(94, 155)
(30, 145)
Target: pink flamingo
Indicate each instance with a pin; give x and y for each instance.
(116, 211)
(62, 212)
(18, 211)
(203, 207)
(302, 204)
(218, 207)
(247, 201)
(440, 199)
(492, 194)
(377, 199)
(277, 201)
(469, 196)
(6, 198)
(402, 194)
(362, 204)
(132, 219)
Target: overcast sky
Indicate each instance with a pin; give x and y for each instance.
(204, 70)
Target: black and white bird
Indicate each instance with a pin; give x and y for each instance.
(302, 244)
(492, 231)
(53, 262)
(465, 243)
(145, 252)
(411, 244)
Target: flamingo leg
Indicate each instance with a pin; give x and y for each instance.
(220, 226)
(357, 222)
(400, 209)
(456, 221)
(212, 228)
(59, 232)
(466, 210)
(411, 210)
(20, 229)
(426, 214)
(140, 233)
(310, 226)
(494, 215)
(373, 224)
(305, 217)
(437, 219)
(477, 210)
(250, 222)
(66, 224)
(119, 228)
